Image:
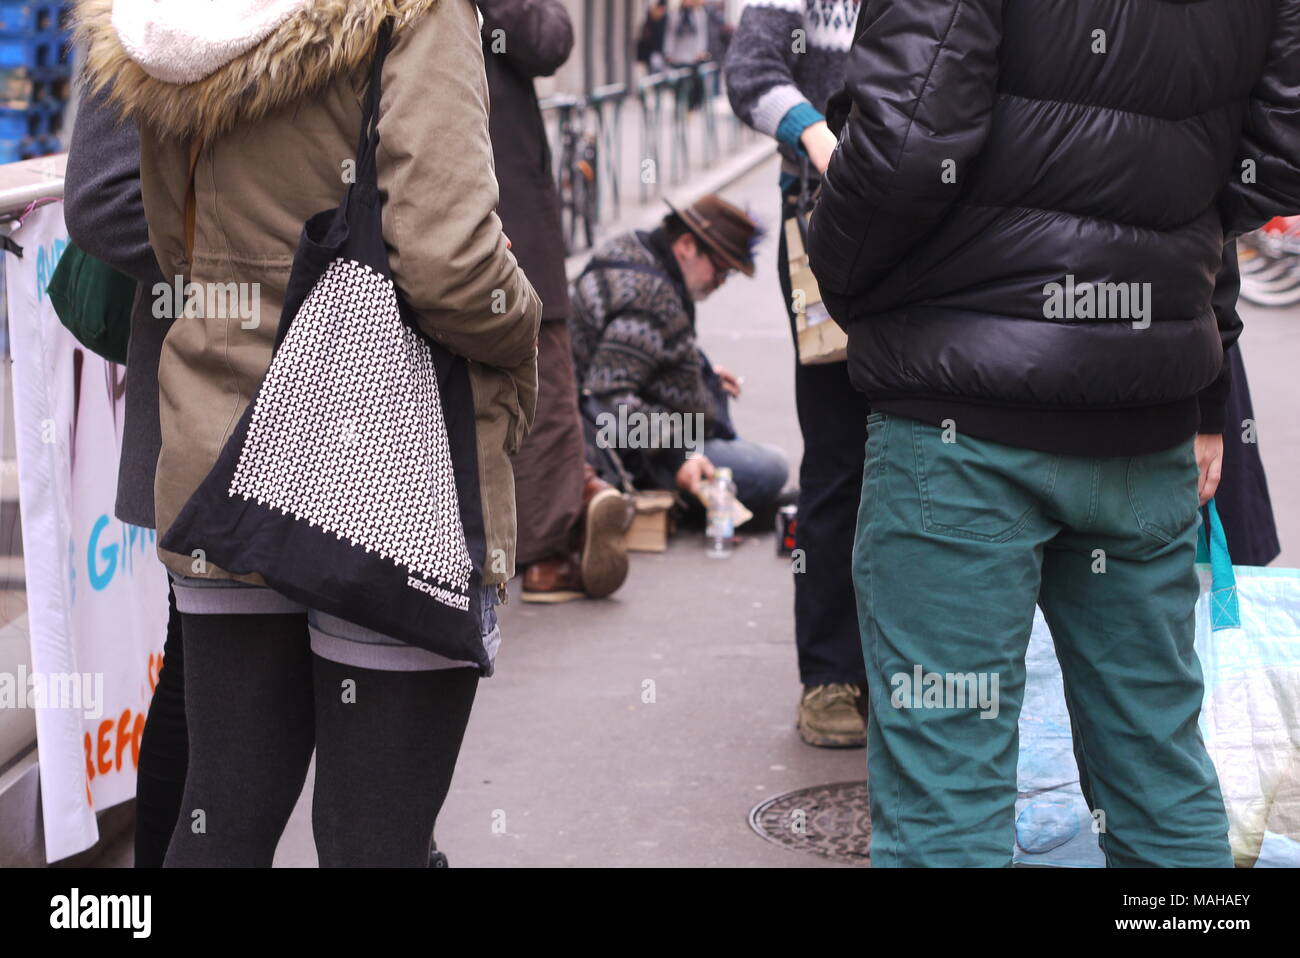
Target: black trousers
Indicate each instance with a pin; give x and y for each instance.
(833, 420)
(1243, 501)
(164, 752)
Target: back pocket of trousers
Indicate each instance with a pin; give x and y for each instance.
(976, 489)
(1162, 489)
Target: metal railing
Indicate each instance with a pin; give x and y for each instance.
(678, 128)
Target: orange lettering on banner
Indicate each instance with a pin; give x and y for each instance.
(102, 763)
(129, 729)
(155, 669)
(105, 750)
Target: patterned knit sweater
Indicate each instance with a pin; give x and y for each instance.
(786, 59)
(633, 330)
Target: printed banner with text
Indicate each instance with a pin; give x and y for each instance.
(96, 592)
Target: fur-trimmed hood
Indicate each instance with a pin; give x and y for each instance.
(197, 67)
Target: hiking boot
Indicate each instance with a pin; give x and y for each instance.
(556, 579)
(830, 716)
(606, 516)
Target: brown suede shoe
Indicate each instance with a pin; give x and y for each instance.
(556, 579)
(830, 716)
(607, 514)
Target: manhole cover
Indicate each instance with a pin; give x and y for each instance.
(833, 821)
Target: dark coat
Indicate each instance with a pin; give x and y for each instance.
(105, 216)
(993, 149)
(1242, 498)
(534, 38)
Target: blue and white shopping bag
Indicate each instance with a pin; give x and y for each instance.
(1248, 641)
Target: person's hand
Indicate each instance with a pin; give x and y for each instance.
(1209, 460)
(820, 143)
(693, 473)
(731, 383)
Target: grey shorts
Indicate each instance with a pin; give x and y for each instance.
(331, 638)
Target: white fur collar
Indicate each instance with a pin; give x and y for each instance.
(182, 41)
(238, 79)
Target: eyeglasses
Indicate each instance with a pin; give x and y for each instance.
(721, 269)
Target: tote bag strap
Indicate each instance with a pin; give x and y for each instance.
(804, 201)
(1212, 547)
(368, 144)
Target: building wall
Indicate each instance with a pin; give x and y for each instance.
(604, 43)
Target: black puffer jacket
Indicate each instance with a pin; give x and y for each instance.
(996, 147)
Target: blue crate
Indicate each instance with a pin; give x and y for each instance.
(19, 90)
(41, 119)
(46, 51)
(10, 150)
(32, 17)
(13, 123)
(34, 146)
(54, 93)
(60, 72)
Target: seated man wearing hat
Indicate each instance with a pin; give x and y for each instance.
(659, 402)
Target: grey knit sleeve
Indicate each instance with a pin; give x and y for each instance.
(760, 64)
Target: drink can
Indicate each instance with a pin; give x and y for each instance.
(786, 520)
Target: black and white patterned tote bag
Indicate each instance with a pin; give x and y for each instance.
(351, 482)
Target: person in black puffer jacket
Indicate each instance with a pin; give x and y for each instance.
(1021, 230)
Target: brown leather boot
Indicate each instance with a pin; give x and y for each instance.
(556, 579)
(606, 515)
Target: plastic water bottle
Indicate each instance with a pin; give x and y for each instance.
(721, 519)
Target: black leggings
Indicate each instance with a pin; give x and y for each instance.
(257, 701)
(164, 752)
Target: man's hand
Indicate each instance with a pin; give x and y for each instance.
(731, 383)
(1209, 460)
(820, 143)
(694, 472)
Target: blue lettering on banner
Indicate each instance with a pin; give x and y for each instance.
(105, 557)
(100, 576)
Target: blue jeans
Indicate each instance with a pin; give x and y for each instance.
(759, 470)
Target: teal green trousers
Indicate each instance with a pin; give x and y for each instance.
(957, 539)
